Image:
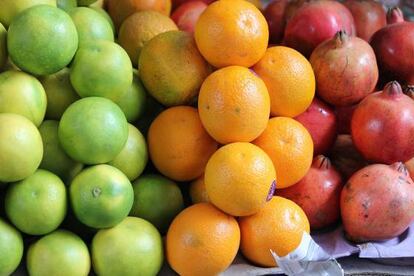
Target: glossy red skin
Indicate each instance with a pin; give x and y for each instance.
(345, 68)
(343, 117)
(275, 17)
(186, 15)
(382, 126)
(394, 47)
(369, 17)
(320, 120)
(316, 22)
(177, 3)
(377, 203)
(317, 193)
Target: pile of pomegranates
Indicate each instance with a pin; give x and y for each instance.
(362, 118)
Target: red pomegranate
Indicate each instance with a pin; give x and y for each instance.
(187, 14)
(382, 126)
(369, 16)
(315, 22)
(275, 16)
(317, 193)
(394, 48)
(345, 68)
(177, 3)
(320, 120)
(377, 203)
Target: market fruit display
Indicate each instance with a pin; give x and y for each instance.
(152, 137)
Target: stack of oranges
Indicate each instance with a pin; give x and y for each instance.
(237, 141)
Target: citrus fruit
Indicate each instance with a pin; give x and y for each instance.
(198, 192)
(101, 68)
(257, 3)
(3, 46)
(55, 159)
(53, 40)
(239, 178)
(93, 130)
(134, 156)
(172, 69)
(59, 92)
(90, 25)
(139, 28)
(234, 105)
(101, 196)
(133, 247)
(133, 101)
(232, 33)
(85, 2)
(11, 8)
(21, 147)
(202, 240)
(119, 10)
(156, 199)
(290, 146)
(279, 226)
(22, 94)
(178, 144)
(103, 12)
(289, 78)
(66, 5)
(11, 248)
(43, 196)
(59, 253)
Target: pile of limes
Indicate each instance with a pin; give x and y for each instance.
(96, 134)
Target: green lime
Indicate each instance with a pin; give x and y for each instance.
(156, 199)
(59, 92)
(86, 2)
(133, 101)
(42, 40)
(55, 159)
(59, 253)
(101, 68)
(101, 196)
(21, 147)
(133, 247)
(66, 5)
(3, 46)
(90, 25)
(105, 15)
(134, 156)
(93, 130)
(10, 8)
(37, 204)
(22, 94)
(11, 248)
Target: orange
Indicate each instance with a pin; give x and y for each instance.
(198, 192)
(257, 3)
(279, 226)
(239, 178)
(202, 240)
(290, 146)
(119, 10)
(178, 144)
(234, 105)
(139, 28)
(232, 32)
(289, 78)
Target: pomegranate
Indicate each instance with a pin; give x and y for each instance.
(369, 16)
(382, 126)
(187, 14)
(345, 157)
(345, 69)
(317, 193)
(177, 3)
(394, 48)
(275, 16)
(343, 117)
(377, 203)
(410, 167)
(320, 120)
(315, 22)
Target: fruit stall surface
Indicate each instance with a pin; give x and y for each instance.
(206, 137)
